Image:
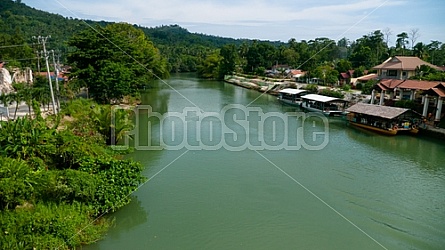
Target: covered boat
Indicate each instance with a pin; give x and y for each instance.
(329, 106)
(383, 119)
(291, 96)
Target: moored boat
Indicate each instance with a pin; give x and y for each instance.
(291, 96)
(329, 106)
(382, 119)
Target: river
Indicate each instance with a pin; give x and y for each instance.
(283, 183)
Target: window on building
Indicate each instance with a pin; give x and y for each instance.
(391, 73)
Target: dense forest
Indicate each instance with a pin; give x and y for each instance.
(209, 55)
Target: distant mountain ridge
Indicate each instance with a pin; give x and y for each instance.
(17, 17)
(19, 23)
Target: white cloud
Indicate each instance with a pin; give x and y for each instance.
(220, 12)
(262, 19)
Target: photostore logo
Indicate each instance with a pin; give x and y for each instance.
(234, 128)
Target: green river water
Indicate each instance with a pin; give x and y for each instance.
(343, 188)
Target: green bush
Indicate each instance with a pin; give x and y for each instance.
(27, 138)
(332, 93)
(409, 104)
(49, 226)
(312, 88)
(368, 86)
(346, 87)
(16, 183)
(53, 181)
(117, 179)
(67, 186)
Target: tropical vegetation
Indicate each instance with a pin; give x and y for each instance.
(58, 177)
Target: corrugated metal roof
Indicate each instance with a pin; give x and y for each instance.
(292, 91)
(320, 98)
(376, 110)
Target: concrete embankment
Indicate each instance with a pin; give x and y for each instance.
(262, 84)
(430, 131)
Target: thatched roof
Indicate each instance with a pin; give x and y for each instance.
(376, 110)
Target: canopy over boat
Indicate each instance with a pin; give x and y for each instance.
(292, 91)
(377, 110)
(321, 98)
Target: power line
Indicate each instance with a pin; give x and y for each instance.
(21, 45)
(18, 45)
(21, 59)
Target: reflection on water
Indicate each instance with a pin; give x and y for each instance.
(426, 152)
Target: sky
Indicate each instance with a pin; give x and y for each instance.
(274, 20)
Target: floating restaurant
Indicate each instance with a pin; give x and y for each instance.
(383, 119)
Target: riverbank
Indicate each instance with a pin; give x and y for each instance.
(272, 86)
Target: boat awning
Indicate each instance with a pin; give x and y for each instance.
(321, 98)
(377, 110)
(292, 91)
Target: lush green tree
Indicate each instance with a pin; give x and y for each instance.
(115, 61)
(343, 65)
(343, 48)
(326, 73)
(369, 50)
(260, 54)
(401, 42)
(420, 50)
(229, 60)
(210, 67)
(436, 52)
(368, 86)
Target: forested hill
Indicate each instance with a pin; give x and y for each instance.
(19, 23)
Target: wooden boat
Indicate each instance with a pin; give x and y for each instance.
(382, 119)
(329, 106)
(291, 96)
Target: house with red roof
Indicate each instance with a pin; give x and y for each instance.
(401, 67)
(345, 77)
(61, 77)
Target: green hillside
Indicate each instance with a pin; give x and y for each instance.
(19, 23)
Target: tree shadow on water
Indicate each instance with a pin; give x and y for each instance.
(127, 218)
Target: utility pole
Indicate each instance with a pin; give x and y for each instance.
(56, 72)
(38, 61)
(42, 40)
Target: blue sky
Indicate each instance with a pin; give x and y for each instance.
(267, 19)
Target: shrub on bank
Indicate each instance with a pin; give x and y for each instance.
(54, 182)
(49, 226)
(312, 88)
(332, 93)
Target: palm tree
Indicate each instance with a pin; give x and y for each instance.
(420, 50)
(402, 41)
(5, 100)
(15, 98)
(112, 123)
